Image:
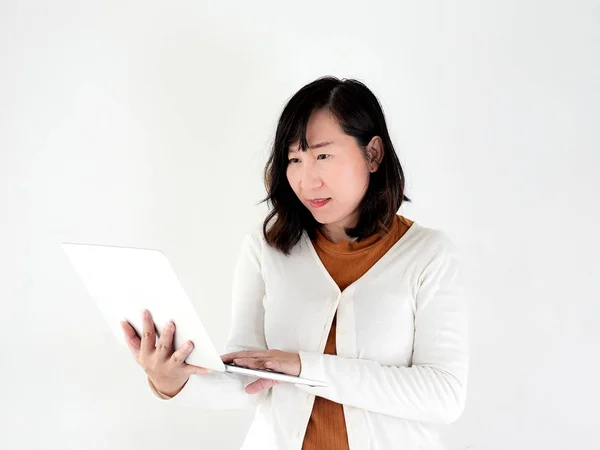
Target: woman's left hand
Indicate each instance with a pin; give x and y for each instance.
(275, 360)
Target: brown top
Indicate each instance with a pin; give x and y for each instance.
(346, 262)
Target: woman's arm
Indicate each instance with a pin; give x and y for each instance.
(224, 390)
(433, 388)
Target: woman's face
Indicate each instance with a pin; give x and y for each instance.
(332, 176)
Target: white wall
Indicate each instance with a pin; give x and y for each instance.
(142, 123)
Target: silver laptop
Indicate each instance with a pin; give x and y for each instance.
(123, 280)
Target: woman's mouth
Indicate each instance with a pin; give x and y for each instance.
(318, 202)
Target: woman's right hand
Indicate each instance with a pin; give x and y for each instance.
(166, 368)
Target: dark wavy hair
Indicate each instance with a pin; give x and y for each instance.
(358, 114)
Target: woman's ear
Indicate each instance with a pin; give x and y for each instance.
(374, 153)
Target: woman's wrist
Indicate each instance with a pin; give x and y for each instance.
(165, 393)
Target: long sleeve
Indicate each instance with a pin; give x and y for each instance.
(433, 387)
(224, 390)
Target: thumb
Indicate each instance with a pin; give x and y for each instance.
(259, 385)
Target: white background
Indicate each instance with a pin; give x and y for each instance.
(147, 123)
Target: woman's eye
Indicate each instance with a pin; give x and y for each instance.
(297, 160)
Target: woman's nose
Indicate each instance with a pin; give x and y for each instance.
(310, 179)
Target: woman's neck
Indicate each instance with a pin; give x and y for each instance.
(336, 233)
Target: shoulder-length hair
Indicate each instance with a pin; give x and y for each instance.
(358, 114)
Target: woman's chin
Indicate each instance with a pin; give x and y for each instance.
(323, 217)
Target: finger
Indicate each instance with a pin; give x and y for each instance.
(245, 354)
(182, 353)
(287, 366)
(274, 365)
(165, 342)
(131, 338)
(250, 363)
(196, 370)
(260, 385)
(228, 358)
(148, 343)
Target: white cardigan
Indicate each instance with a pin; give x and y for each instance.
(402, 352)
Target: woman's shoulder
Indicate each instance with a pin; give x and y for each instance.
(432, 239)
(427, 239)
(254, 232)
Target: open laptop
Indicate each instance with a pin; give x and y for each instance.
(123, 281)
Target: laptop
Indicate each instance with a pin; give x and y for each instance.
(123, 281)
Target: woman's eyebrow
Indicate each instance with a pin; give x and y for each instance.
(313, 147)
(321, 144)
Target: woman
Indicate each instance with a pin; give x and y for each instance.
(334, 286)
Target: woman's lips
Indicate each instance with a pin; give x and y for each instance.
(318, 203)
